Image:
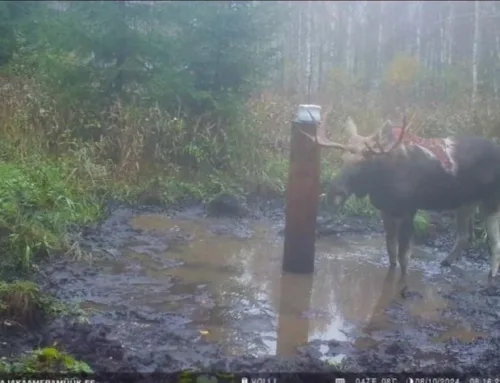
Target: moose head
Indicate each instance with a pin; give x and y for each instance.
(358, 154)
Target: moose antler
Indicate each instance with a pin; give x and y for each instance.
(376, 136)
(321, 138)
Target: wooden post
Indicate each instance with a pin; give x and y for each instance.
(302, 193)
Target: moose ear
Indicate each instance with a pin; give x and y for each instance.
(351, 128)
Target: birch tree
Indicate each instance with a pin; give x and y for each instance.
(475, 53)
(380, 37)
(349, 41)
(449, 34)
(309, 71)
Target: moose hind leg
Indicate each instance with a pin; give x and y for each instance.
(472, 229)
(463, 216)
(493, 230)
(391, 228)
(405, 243)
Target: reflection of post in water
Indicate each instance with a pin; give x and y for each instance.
(295, 301)
(391, 290)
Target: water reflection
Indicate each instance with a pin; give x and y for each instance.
(392, 287)
(235, 292)
(294, 309)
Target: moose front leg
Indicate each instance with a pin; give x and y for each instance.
(493, 231)
(463, 216)
(472, 229)
(391, 228)
(405, 243)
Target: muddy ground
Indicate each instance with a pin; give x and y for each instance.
(171, 289)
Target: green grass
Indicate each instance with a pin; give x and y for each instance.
(22, 304)
(422, 223)
(360, 207)
(45, 360)
(39, 202)
(42, 199)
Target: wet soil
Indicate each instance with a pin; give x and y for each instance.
(177, 289)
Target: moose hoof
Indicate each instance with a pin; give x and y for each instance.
(445, 263)
(490, 278)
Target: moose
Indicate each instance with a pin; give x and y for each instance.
(402, 176)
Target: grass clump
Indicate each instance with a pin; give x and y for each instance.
(22, 303)
(45, 360)
(422, 224)
(39, 202)
(360, 207)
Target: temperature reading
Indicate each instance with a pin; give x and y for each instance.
(389, 380)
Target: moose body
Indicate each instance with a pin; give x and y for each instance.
(410, 178)
(456, 173)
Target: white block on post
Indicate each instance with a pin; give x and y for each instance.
(308, 113)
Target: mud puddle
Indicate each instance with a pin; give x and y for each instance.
(184, 291)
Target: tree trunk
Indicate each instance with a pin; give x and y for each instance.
(418, 35)
(122, 51)
(300, 70)
(496, 70)
(309, 52)
(332, 15)
(475, 54)
(380, 37)
(449, 36)
(363, 62)
(442, 38)
(321, 49)
(349, 45)
(418, 42)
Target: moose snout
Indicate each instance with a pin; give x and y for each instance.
(336, 200)
(335, 197)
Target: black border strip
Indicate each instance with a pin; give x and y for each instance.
(212, 377)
